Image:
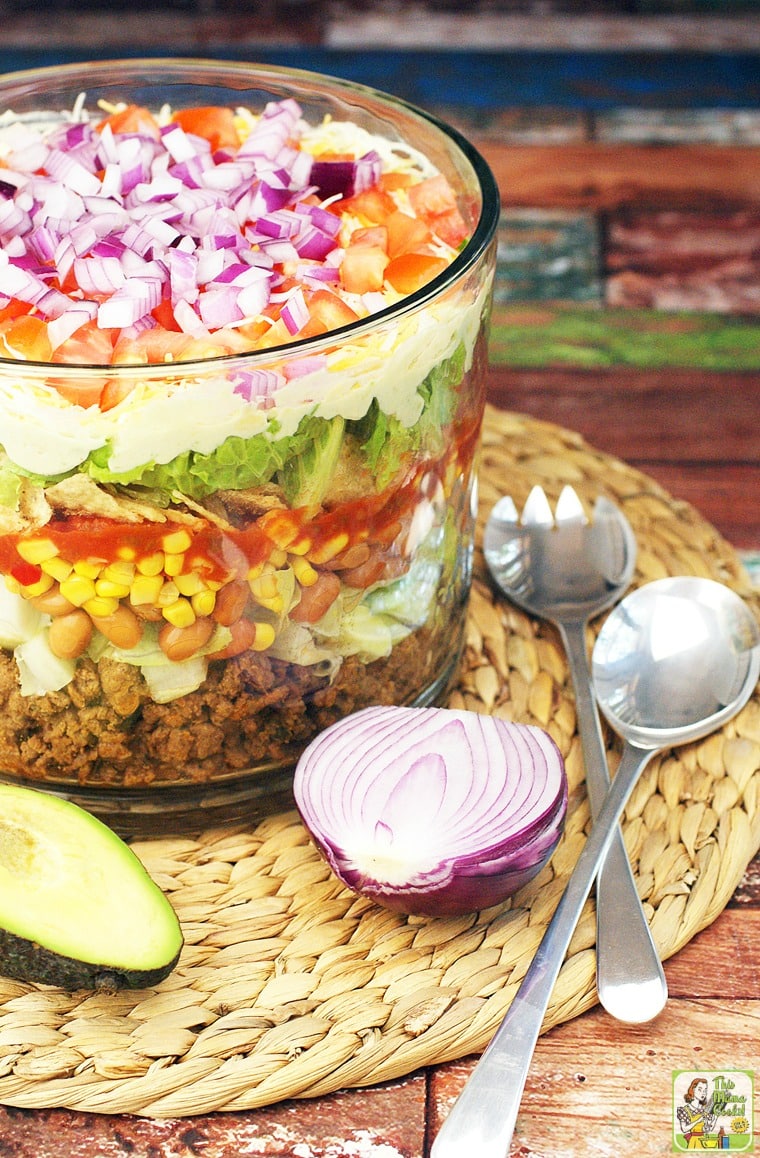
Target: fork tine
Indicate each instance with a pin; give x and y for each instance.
(537, 512)
(569, 507)
(505, 510)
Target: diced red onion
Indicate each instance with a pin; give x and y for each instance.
(62, 327)
(295, 312)
(138, 296)
(256, 384)
(432, 811)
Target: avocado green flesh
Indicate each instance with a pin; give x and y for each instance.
(77, 907)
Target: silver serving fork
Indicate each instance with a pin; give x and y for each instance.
(566, 569)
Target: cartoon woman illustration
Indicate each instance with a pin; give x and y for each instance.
(696, 1117)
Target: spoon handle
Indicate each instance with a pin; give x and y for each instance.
(482, 1120)
(630, 979)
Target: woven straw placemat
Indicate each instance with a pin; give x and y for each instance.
(290, 986)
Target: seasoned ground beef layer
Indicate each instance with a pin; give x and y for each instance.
(104, 729)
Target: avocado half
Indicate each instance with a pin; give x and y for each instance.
(77, 907)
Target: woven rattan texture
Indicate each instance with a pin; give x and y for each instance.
(289, 986)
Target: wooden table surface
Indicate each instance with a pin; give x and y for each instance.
(658, 363)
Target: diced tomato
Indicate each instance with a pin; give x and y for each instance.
(406, 234)
(363, 268)
(330, 311)
(164, 315)
(151, 347)
(277, 334)
(390, 182)
(215, 124)
(14, 309)
(87, 346)
(433, 200)
(114, 391)
(432, 196)
(372, 205)
(450, 227)
(25, 337)
(133, 119)
(371, 235)
(84, 392)
(410, 271)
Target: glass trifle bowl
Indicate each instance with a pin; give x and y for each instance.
(243, 328)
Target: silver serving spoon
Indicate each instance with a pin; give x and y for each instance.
(673, 662)
(567, 569)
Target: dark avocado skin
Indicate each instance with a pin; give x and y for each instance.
(26, 961)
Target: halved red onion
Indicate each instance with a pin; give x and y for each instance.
(430, 810)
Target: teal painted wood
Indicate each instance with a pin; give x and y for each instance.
(485, 80)
(548, 256)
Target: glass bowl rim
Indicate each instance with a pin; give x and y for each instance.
(174, 69)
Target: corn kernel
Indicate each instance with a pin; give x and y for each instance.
(78, 589)
(43, 584)
(303, 571)
(57, 568)
(168, 594)
(88, 568)
(13, 585)
(264, 587)
(264, 638)
(278, 558)
(173, 564)
(145, 590)
(98, 606)
(179, 613)
(300, 546)
(329, 549)
(203, 602)
(189, 583)
(36, 550)
(120, 571)
(176, 542)
(107, 589)
(280, 527)
(127, 553)
(255, 571)
(151, 564)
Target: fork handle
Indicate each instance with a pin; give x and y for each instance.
(629, 976)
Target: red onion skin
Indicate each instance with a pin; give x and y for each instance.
(485, 875)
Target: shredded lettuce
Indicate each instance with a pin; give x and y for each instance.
(305, 477)
(386, 444)
(237, 464)
(10, 483)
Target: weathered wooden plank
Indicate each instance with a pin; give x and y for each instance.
(720, 962)
(598, 1087)
(602, 176)
(674, 416)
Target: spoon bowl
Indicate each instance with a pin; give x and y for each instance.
(682, 663)
(658, 676)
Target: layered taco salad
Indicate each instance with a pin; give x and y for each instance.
(235, 491)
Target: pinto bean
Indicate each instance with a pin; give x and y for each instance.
(69, 635)
(122, 628)
(231, 600)
(179, 643)
(366, 573)
(243, 635)
(52, 603)
(317, 599)
(354, 556)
